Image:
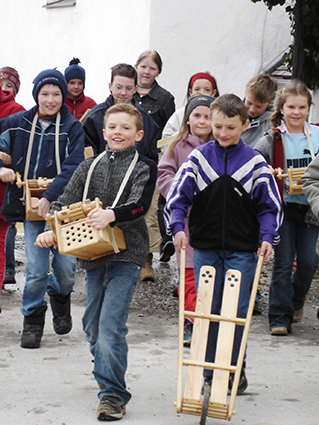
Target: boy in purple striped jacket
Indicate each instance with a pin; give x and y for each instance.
(236, 211)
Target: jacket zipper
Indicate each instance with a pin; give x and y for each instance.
(224, 197)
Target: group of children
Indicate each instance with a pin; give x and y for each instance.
(223, 204)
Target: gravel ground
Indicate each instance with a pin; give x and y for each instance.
(155, 298)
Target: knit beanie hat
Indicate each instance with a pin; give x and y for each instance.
(74, 70)
(49, 76)
(13, 78)
(195, 101)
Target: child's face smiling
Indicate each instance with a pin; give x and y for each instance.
(122, 89)
(227, 130)
(50, 99)
(202, 86)
(295, 111)
(120, 131)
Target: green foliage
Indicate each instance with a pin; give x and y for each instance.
(310, 35)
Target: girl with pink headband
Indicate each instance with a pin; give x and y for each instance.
(199, 83)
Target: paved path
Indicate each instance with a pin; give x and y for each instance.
(54, 384)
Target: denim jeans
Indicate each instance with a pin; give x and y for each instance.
(110, 287)
(38, 281)
(288, 290)
(10, 244)
(222, 261)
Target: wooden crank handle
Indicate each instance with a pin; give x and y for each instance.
(279, 174)
(19, 183)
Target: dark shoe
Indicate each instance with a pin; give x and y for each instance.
(207, 385)
(33, 328)
(111, 408)
(61, 308)
(175, 291)
(243, 383)
(318, 313)
(279, 331)
(168, 251)
(9, 278)
(188, 332)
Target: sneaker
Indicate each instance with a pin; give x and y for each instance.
(243, 383)
(9, 278)
(188, 332)
(111, 408)
(168, 251)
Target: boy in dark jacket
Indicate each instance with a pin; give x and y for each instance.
(235, 207)
(45, 141)
(111, 280)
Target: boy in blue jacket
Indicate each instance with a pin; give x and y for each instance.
(46, 141)
(236, 207)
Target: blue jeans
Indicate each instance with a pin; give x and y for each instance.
(10, 243)
(222, 261)
(110, 288)
(38, 281)
(288, 290)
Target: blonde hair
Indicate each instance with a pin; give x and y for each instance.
(262, 87)
(294, 88)
(128, 109)
(154, 56)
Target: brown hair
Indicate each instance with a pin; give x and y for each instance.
(294, 88)
(184, 131)
(154, 56)
(127, 108)
(124, 70)
(230, 105)
(262, 87)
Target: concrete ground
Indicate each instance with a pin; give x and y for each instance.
(55, 385)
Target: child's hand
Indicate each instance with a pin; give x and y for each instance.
(7, 175)
(273, 171)
(5, 158)
(46, 239)
(265, 249)
(99, 218)
(42, 206)
(180, 241)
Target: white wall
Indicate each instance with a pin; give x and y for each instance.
(231, 38)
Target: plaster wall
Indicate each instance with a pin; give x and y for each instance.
(233, 39)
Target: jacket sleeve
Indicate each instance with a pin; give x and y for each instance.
(180, 197)
(265, 146)
(141, 193)
(93, 128)
(73, 157)
(310, 185)
(167, 169)
(173, 125)
(267, 201)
